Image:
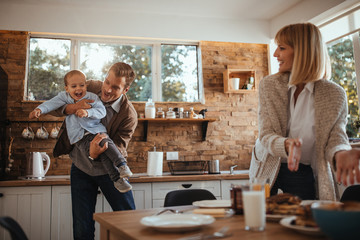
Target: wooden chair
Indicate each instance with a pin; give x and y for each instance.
(187, 197)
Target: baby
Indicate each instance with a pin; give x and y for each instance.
(85, 124)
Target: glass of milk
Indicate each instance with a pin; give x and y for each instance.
(253, 197)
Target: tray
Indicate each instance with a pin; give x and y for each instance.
(187, 167)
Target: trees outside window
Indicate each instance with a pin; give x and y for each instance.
(178, 81)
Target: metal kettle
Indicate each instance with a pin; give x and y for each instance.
(35, 167)
(214, 167)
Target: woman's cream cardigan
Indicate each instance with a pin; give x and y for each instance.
(330, 105)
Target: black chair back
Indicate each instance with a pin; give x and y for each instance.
(351, 193)
(15, 230)
(187, 197)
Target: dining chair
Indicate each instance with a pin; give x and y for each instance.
(15, 230)
(187, 197)
(351, 193)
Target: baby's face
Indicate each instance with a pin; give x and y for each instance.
(76, 87)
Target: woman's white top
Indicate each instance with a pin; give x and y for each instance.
(302, 122)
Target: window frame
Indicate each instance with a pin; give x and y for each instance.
(155, 58)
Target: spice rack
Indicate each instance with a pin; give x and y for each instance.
(243, 74)
(204, 123)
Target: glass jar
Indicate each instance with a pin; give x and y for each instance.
(160, 113)
(170, 113)
(149, 109)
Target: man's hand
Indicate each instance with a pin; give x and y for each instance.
(293, 147)
(81, 113)
(83, 104)
(35, 113)
(95, 149)
(347, 166)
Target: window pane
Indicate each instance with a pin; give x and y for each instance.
(343, 72)
(96, 59)
(179, 73)
(49, 60)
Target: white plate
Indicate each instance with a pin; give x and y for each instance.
(213, 203)
(275, 217)
(177, 222)
(286, 222)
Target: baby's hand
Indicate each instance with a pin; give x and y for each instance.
(35, 113)
(81, 113)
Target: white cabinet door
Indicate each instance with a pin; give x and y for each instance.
(160, 189)
(142, 195)
(30, 207)
(61, 219)
(226, 184)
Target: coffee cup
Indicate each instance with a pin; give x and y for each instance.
(54, 132)
(42, 133)
(28, 133)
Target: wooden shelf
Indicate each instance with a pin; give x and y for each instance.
(203, 121)
(243, 74)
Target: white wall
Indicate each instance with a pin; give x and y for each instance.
(52, 17)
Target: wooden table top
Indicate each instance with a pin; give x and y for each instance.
(126, 225)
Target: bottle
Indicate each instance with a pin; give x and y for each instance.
(181, 112)
(149, 109)
(192, 112)
(160, 113)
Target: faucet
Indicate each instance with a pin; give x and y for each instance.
(232, 169)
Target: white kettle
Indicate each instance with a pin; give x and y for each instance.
(35, 167)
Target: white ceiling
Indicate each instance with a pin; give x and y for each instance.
(220, 9)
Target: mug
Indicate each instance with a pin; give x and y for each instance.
(54, 132)
(28, 133)
(42, 133)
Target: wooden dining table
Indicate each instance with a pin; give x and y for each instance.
(126, 225)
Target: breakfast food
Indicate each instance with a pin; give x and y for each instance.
(304, 216)
(283, 204)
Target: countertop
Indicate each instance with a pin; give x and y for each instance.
(136, 178)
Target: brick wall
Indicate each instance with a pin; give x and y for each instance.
(229, 139)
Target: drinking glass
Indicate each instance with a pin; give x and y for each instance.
(253, 197)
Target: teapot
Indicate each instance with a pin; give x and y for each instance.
(35, 167)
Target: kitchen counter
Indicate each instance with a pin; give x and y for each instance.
(136, 178)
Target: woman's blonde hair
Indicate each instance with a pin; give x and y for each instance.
(311, 61)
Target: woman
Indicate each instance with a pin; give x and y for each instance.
(302, 120)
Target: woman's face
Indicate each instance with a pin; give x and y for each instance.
(285, 56)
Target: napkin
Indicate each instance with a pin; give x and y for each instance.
(215, 212)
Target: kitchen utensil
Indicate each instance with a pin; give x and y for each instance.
(222, 233)
(42, 133)
(214, 167)
(28, 133)
(35, 167)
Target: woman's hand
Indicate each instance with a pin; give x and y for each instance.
(293, 147)
(347, 166)
(95, 149)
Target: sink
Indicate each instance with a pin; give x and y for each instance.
(236, 172)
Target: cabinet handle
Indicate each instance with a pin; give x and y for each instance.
(187, 185)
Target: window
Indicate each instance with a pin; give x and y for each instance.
(341, 54)
(167, 72)
(341, 35)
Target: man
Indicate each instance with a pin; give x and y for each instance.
(87, 174)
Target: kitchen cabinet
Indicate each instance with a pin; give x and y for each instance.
(160, 189)
(61, 219)
(204, 123)
(244, 75)
(30, 207)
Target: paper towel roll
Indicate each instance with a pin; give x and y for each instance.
(155, 163)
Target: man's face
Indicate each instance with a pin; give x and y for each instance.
(113, 87)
